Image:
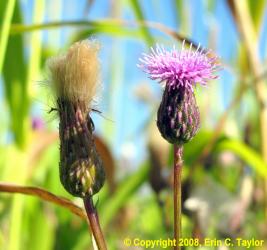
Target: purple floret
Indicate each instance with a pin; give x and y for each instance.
(183, 68)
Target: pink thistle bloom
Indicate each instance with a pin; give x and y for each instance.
(183, 68)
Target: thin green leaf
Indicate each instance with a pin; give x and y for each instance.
(211, 4)
(6, 13)
(104, 24)
(39, 226)
(115, 31)
(257, 10)
(101, 26)
(194, 148)
(124, 192)
(35, 44)
(245, 153)
(182, 16)
(179, 4)
(140, 17)
(14, 74)
(15, 223)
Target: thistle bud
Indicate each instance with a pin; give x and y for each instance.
(81, 168)
(75, 81)
(178, 115)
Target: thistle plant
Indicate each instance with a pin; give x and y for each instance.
(75, 80)
(178, 117)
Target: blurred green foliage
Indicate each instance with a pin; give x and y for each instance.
(133, 209)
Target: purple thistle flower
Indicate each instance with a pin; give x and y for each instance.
(37, 123)
(178, 117)
(183, 68)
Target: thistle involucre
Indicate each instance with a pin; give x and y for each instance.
(75, 80)
(178, 115)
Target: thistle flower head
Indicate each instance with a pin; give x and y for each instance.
(178, 117)
(75, 81)
(183, 68)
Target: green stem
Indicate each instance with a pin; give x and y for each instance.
(94, 223)
(7, 9)
(177, 193)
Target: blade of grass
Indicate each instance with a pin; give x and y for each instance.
(14, 75)
(137, 9)
(182, 16)
(245, 153)
(6, 13)
(35, 44)
(179, 4)
(257, 10)
(15, 224)
(15, 170)
(14, 84)
(103, 24)
(116, 31)
(41, 227)
(124, 191)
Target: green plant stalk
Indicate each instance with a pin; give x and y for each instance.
(177, 193)
(94, 223)
(140, 17)
(5, 28)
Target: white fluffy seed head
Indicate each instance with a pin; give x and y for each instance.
(75, 75)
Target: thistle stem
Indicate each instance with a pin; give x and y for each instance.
(177, 193)
(94, 223)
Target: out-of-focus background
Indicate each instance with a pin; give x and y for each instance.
(225, 165)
